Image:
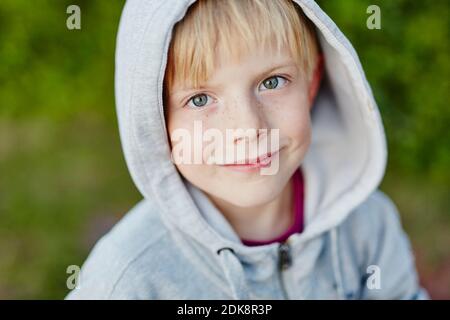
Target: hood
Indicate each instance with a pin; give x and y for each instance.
(346, 160)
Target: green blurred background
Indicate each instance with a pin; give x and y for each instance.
(63, 179)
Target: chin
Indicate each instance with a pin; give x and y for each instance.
(251, 195)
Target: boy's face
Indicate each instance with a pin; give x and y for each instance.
(263, 90)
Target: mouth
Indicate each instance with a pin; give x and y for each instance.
(248, 165)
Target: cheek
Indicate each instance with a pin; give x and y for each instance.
(199, 175)
(298, 125)
(191, 126)
(292, 116)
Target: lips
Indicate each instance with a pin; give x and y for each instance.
(254, 164)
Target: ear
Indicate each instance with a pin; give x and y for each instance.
(316, 79)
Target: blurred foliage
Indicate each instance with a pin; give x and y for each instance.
(63, 180)
(407, 63)
(48, 70)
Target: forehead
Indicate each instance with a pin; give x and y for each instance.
(250, 62)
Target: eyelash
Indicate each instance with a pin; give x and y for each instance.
(285, 78)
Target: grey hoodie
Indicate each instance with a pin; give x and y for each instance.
(175, 244)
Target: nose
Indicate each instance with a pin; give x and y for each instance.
(248, 119)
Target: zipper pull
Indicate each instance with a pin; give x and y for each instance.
(285, 259)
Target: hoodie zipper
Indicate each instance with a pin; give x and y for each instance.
(284, 262)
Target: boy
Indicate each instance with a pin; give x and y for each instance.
(284, 207)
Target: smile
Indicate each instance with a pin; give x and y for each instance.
(263, 161)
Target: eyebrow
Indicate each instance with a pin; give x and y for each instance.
(184, 91)
(280, 66)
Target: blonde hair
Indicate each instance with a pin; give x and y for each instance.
(235, 27)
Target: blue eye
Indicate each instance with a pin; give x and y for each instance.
(273, 83)
(198, 101)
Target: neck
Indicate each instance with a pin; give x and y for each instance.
(262, 222)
